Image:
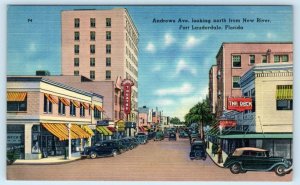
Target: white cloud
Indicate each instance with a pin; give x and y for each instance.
(183, 66)
(251, 35)
(32, 47)
(185, 89)
(193, 41)
(156, 68)
(164, 102)
(150, 47)
(271, 35)
(169, 39)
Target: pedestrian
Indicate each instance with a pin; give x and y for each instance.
(219, 152)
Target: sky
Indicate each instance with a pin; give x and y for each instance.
(173, 62)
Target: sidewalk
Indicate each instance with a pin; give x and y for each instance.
(49, 160)
(215, 158)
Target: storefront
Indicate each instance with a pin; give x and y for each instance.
(15, 138)
(130, 129)
(120, 128)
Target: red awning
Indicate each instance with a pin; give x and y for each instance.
(112, 129)
(141, 128)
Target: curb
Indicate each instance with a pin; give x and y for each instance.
(214, 161)
(47, 163)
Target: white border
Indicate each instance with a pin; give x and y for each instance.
(3, 20)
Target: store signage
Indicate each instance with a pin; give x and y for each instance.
(103, 123)
(227, 123)
(14, 138)
(239, 104)
(130, 124)
(127, 84)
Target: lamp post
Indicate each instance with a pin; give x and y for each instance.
(117, 128)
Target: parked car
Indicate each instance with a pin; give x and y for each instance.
(128, 144)
(141, 138)
(159, 136)
(256, 159)
(198, 150)
(183, 134)
(104, 148)
(172, 136)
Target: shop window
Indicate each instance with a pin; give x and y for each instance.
(236, 82)
(236, 61)
(17, 106)
(36, 140)
(252, 59)
(61, 108)
(284, 104)
(92, 35)
(93, 22)
(47, 105)
(82, 111)
(72, 109)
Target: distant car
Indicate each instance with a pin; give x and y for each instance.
(141, 138)
(256, 159)
(198, 150)
(172, 136)
(183, 134)
(104, 148)
(159, 136)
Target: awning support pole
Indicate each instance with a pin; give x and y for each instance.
(70, 141)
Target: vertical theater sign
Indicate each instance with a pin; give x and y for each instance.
(127, 84)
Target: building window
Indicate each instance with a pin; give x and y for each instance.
(236, 82)
(108, 22)
(92, 75)
(61, 108)
(76, 49)
(284, 104)
(82, 110)
(93, 22)
(72, 109)
(264, 59)
(47, 105)
(236, 61)
(92, 35)
(276, 58)
(284, 58)
(108, 75)
(76, 35)
(116, 100)
(92, 49)
(76, 73)
(108, 48)
(108, 61)
(76, 62)
(76, 22)
(92, 62)
(97, 113)
(252, 59)
(108, 35)
(16, 106)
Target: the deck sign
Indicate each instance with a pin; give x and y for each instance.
(239, 104)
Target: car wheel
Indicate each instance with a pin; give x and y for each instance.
(93, 155)
(235, 168)
(279, 170)
(114, 153)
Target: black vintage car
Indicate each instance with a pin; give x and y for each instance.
(198, 150)
(141, 138)
(172, 136)
(256, 159)
(104, 148)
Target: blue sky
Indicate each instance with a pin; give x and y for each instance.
(173, 63)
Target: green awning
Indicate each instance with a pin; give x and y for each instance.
(284, 92)
(258, 136)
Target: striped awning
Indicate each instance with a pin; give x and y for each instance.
(112, 129)
(85, 105)
(91, 106)
(51, 98)
(64, 101)
(16, 96)
(79, 131)
(99, 108)
(103, 130)
(284, 92)
(88, 130)
(76, 103)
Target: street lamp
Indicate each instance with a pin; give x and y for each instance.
(117, 128)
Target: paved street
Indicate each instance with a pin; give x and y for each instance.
(156, 161)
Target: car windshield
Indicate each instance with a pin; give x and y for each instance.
(197, 147)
